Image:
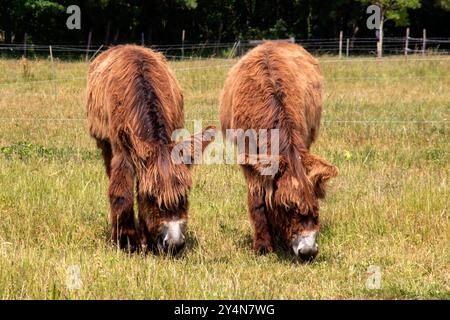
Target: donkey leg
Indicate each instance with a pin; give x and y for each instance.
(123, 230)
(105, 146)
(144, 234)
(262, 240)
(150, 222)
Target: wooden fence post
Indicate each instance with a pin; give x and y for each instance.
(233, 50)
(95, 53)
(88, 45)
(380, 42)
(25, 45)
(406, 43)
(183, 34)
(53, 71)
(424, 41)
(347, 47)
(341, 34)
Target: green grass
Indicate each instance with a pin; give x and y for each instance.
(389, 206)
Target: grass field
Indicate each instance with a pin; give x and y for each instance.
(385, 126)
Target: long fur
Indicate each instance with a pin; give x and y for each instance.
(135, 102)
(279, 86)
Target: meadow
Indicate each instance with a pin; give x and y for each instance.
(385, 126)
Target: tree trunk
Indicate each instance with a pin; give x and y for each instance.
(308, 21)
(8, 35)
(8, 26)
(108, 28)
(116, 36)
(219, 38)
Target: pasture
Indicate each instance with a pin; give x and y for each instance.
(385, 126)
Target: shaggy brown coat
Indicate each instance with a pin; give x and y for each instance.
(278, 86)
(134, 103)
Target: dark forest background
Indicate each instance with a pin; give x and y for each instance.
(207, 21)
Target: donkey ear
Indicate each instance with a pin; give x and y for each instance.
(319, 172)
(190, 150)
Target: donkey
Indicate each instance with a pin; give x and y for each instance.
(134, 104)
(278, 86)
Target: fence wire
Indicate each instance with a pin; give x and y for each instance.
(327, 80)
(391, 45)
(364, 44)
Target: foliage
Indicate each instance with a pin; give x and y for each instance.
(396, 10)
(162, 21)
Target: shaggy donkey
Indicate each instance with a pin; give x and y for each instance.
(134, 104)
(278, 86)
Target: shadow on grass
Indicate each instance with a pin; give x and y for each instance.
(242, 241)
(191, 244)
(191, 240)
(284, 253)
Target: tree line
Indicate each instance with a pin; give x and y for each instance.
(213, 21)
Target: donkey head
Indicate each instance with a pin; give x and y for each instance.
(163, 191)
(300, 184)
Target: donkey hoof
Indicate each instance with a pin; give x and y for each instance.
(263, 249)
(126, 241)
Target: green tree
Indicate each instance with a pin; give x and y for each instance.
(396, 10)
(444, 4)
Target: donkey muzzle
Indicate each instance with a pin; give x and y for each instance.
(305, 246)
(172, 239)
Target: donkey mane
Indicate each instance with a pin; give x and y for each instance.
(146, 106)
(277, 82)
(150, 122)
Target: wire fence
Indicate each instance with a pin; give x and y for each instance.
(435, 51)
(342, 46)
(328, 80)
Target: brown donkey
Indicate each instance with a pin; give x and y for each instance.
(134, 104)
(278, 86)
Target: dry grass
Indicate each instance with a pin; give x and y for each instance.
(389, 206)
